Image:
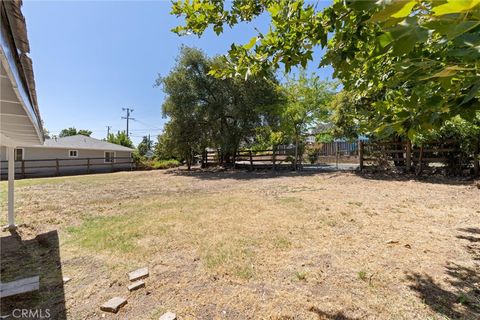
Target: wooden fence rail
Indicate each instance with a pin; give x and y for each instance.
(270, 157)
(279, 155)
(57, 167)
(404, 155)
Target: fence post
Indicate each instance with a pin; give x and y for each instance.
(251, 159)
(23, 168)
(360, 154)
(420, 161)
(336, 154)
(408, 155)
(274, 157)
(57, 167)
(476, 163)
(111, 164)
(219, 157)
(88, 165)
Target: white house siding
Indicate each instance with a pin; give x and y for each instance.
(46, 157)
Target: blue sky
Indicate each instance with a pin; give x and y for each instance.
(91, 58)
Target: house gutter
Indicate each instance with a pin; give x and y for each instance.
(11, 60)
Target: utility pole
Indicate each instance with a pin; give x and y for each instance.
(108, 130)
(128, 118)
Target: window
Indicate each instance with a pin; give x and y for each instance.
(73, 153)
(19, 154)
(109, 157)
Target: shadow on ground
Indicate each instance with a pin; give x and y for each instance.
(322, 315)
(239, 174)
(434, 179)
(35, 257)
(461, 300)
(219, 173)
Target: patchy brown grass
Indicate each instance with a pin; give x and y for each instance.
(238, 245)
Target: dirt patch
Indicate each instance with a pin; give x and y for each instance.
(241, 245)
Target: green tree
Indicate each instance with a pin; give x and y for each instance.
(162, 148)
(120, 138)
(144, 146)
(344, 116)
(72, 131)
(307, 99)
(410, 65)
(206, 111)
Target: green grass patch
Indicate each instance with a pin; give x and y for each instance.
(355, 203)
(301, 275)
(106, 233)
(230, 257)
(281, 243)
(113, 233)
(290, 200)
(362, 275)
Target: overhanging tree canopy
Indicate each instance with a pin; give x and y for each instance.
(413, 62)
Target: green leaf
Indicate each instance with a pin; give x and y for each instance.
(362, 4)
(452, 30)
(405, 11)
(250, 44)
(406, 35)
(404, 44)
(385, 39)
(455, 6)
(447, 72)
(411, 134)
(472, 93)
(396, 9)
(274, 9)
(218, 29)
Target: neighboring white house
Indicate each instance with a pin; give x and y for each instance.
(69, 155)
(20, 123)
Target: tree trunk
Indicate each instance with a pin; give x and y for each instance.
(398, 158)
(420, 162)
(296, 155)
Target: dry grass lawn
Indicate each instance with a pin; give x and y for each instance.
(239, 245)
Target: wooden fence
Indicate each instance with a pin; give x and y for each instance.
(252, 158)
(281, 156)
(58, 167)
(404, 155)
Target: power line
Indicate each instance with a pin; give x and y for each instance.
(128, 116)
(146, 124)
(145, 130)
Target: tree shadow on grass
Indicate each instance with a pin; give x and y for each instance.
(461, 300)
(432, 179)
(35, 257)
(241, 174)
(323, 315)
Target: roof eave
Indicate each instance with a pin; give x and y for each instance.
(10, 58)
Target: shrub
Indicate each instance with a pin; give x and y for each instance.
(165, 164)
(313, 153)
(158, 164)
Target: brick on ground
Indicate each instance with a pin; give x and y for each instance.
(168, 316)
(136, 285)
(138, 274)
(113, 305)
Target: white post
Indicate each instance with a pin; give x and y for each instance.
(11, 182)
